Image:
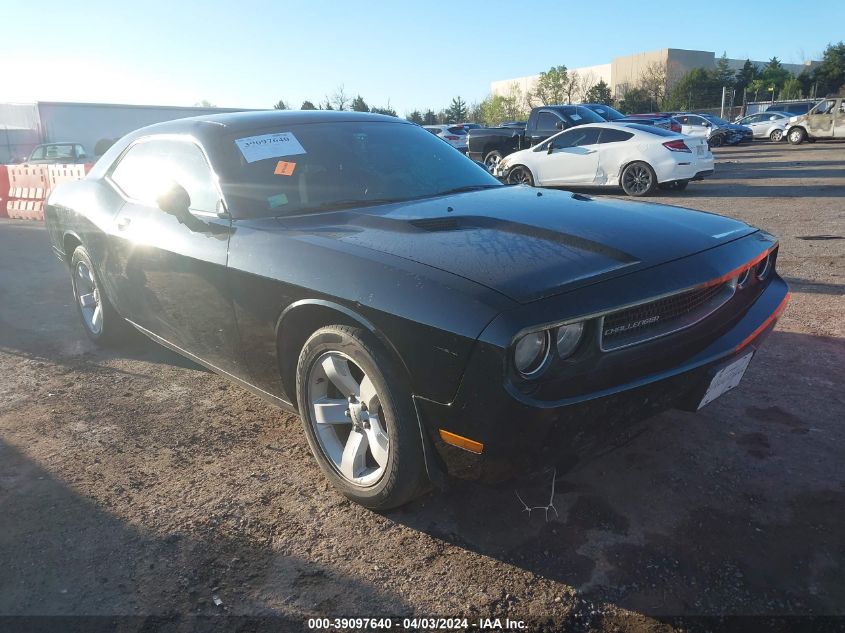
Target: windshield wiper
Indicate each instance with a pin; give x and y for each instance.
(335, 205)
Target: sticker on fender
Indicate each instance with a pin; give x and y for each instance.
(726, 379)
(266, 146)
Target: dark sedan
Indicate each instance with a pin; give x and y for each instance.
(422, 318)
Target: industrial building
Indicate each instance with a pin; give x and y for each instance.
(25, 125)
(625, 72)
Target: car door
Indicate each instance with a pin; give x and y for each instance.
(758, 124)
(614, 152)
(548, 124)
(696, 126)
(573, 159)
(839, 120)
(172, 267)
(820, 119)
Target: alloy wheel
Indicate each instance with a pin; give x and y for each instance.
(776, 135)
(347, 419)
(519, 176)
(88, 296)
(637, 179)
(491, 161)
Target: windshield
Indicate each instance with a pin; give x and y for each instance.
(323, 166)
(714, 119)
(607, 112)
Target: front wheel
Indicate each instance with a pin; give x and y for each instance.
(796, 136)
(776, 136)
(359, 418)
(102, 323)
(638, 179)
(716, 141)
(492, 159)
(520, 175)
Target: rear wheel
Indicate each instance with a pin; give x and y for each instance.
(638, 179)
(796, 136)
(359, 418)
(492, 159)
(716, 141)
(520, 175)
(776, 136)
(102, 323)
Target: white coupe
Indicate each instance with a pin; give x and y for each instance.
(639, 158)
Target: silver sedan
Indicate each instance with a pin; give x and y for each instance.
(770, 125)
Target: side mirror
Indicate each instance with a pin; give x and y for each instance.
(175, 201)
(559, 125)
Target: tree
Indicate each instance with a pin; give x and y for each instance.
(492, 111)
(745, 75)
(415, 117)
(339, 99)
(636, 101)
(457, 111)
(653, 81)
(791, 89)
(551, 86)
(774, 74)
(429, 117)
(280, 105)
(307, 105)
(698, 88)
(600, 93)
(386, 110)
(570, 86)
(829, 75)
(724, 73)
(588, 80)
(359, 105)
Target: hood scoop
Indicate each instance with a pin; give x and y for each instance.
(437, 224)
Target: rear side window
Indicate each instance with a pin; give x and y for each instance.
(457, 130)
(38, 153)
(651, 129)
(149, 167)
(614, 136)
(546, 121)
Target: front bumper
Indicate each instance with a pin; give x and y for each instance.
(518, 431)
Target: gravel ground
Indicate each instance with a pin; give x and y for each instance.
(136, 483)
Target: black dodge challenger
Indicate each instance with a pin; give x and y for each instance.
(422, 318)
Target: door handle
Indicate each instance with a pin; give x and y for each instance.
(122, 223)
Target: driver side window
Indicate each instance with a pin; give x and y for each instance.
(150, 166)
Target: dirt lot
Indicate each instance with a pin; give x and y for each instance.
(136, 483)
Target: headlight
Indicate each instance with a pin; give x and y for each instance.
(568, 337)
(530, 353)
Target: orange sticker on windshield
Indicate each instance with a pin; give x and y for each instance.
(283, 168)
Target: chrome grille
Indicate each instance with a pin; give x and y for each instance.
(663, 316)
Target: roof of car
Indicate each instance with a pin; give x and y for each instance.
(258, 119)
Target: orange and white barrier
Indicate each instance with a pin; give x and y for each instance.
(24, 188)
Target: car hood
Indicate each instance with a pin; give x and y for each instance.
(523, 242)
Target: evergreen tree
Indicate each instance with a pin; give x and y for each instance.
(600, 93)
(745, 76)
(415, 117)
(457, 111)
(307, 105)
(359, 105)
(280, 105)
(429, 117)
(724, 74)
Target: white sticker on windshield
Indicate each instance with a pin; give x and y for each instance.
(266, 146)
(575, 117)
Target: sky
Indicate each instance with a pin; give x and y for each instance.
(409, 55)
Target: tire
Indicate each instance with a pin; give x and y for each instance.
(716, 141)
(638, 179)
(371, 453)
(492, 159)
(520, 175)
(796, 136)
(100, 320)
(776, 136)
